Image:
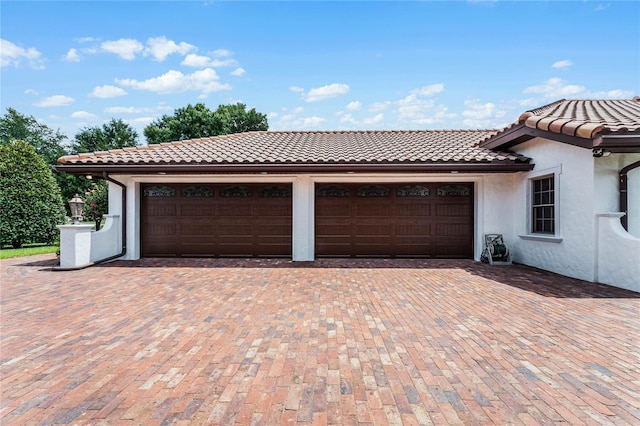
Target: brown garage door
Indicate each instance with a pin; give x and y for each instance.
(395, 220)
(235, 220)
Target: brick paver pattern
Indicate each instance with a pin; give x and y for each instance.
(227, 341)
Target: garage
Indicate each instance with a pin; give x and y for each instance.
(394, 220)
(215, 220)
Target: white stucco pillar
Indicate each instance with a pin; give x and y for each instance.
(75, 245)
(303, 219)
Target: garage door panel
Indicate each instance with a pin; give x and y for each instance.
(453, 210)
(452, 230)
(370, 209)
(236, 250)
(196, 229)
(412, 210)
(159, 209)
(334, 250)
(216, 220)
(272, 210)
(372, 230)
(234, 208)
(197, 210)
(375, 250)
(235, 231)
(413, 250)
(421, 230)
(402, 219)
(334, 210)
(197, 250)
(161, 248)
(272, 230)
(162, 228)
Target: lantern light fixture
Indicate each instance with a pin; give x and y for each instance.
(75, 205)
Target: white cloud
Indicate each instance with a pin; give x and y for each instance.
(562, 64)
(204, 81)
(429, 90)
(555, 88)
(601, 7)
(354, 106)
(83, 115)
(31, 92)
(326, 92)
(611, 94)
(311, 122)
(373, 120)
(161, 47)
(200, 61)
(290, 120)
(86, 39)
(193, 60)
(12, 55)
(379, 106)
(348, 118)
(140, 121)
(107, 92)
(126, 48)
(478, 115)
(238, 72)
(137, 110)
(418, 108)
(413, 109)
(55, 101)
(72, 56)
(55, 117)
(222, 53)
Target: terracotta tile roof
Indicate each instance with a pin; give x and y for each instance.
(585, 118)
(339, 147)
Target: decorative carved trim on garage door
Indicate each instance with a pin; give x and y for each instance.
(275, 191)
(412, 191)
(333, 191)
(453, 191)
(373, 191)
(197, 191)
(160, 191)
(236, 191)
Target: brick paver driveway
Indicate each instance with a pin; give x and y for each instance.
(326, 342)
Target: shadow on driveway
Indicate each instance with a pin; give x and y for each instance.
(524, 277)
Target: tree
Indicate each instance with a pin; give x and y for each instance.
(46, 141)
(198, 121)
(236, 119)
(113, 135)
(30, 201)
(96, 202)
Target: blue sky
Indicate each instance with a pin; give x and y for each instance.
(315, 65)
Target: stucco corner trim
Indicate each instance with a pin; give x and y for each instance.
(543, 238)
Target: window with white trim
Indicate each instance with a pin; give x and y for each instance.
(543, 208)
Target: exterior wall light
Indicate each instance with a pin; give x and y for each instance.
(75, 205)
(599, 152)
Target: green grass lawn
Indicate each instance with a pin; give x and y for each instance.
(28, 250)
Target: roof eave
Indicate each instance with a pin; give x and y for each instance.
(486, 167)
(618, 142)
(522, 133)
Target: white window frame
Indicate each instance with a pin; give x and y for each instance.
(528, 233)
